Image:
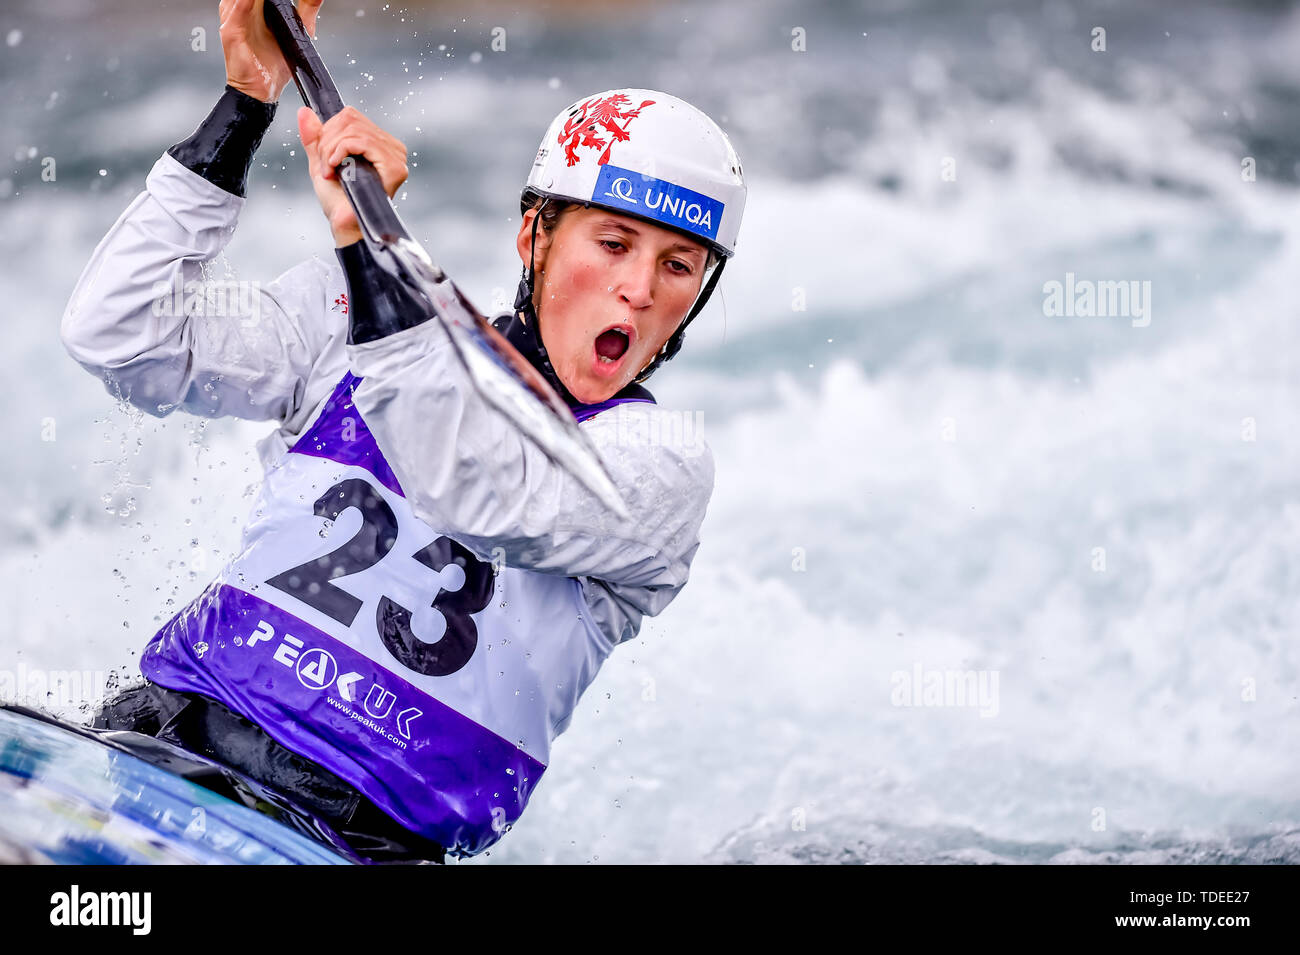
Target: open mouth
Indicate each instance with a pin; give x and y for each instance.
(612, 344)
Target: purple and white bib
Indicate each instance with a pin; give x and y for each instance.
(360, 637)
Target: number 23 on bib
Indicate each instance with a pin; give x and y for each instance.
(361, 637)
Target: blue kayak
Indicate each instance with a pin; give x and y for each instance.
(70, 796)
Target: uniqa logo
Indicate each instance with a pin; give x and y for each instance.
(621, 188)
(679, 208)
(675, 206)
(657, 199)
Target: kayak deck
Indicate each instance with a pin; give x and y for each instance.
(68, 798)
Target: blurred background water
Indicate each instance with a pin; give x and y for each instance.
(916, 468)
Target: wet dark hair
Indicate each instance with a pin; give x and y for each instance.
(550, 214)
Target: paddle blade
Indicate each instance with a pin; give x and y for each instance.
(503, 376)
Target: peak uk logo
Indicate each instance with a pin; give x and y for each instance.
(596, 125)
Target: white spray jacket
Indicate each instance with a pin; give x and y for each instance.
(451, 751)
(275, 353)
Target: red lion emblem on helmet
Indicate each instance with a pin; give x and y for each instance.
(595, 118)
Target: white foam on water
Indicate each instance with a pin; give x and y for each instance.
(945, 484)
(1120, 690)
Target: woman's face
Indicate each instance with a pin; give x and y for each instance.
(610, 292)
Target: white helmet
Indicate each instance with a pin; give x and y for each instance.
(650, 155)
(646, 154)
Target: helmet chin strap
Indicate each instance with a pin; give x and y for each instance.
(712, 273)
(525, 308)
(527, 314)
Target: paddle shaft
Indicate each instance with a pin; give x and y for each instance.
(365, 190)
(499, 373)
